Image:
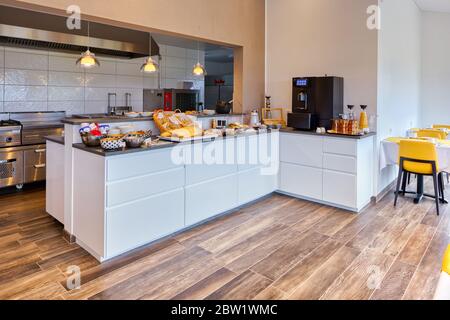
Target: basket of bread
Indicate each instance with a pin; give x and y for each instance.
(176, 125)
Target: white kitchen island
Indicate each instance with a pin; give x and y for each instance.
(123, 200)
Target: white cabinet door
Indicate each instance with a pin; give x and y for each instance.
(301, 149)
(141, 222)
(301, 181)
(339, 188)
(207, 199)
(55, 181)
(254, 184)
(338, 162)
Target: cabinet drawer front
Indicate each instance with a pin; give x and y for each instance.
(138, 165)
(340, 163)
(211, 198)
(301, 149)
(138, 223)
(141, 187)
(253, 184)
(35, 156)
(339, 188)
(301, 181)
(342, 146)
(34, 173)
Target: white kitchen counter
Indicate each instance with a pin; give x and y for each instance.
(121, 202)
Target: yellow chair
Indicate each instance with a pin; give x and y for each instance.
(443, 287)
(441, 126)
(420, 157)
(432, 133)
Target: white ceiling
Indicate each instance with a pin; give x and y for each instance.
(434, 5)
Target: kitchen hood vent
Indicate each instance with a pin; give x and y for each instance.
(36, 30)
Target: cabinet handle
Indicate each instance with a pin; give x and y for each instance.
(40, 150)
(39, 166)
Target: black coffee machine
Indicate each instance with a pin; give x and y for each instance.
(315, 101)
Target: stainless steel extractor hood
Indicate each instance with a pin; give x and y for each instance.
(37, 30)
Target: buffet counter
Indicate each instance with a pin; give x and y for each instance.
(126, 200)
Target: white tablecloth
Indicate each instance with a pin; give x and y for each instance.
(389, 155)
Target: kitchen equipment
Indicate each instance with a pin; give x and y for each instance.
(315, 101)
(171, 99)
(134, 141)
(254, 118)
(22, 145)
(223, 107)
(273, 117)
(364, 120)
(33, 29)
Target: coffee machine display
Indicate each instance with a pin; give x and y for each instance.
(315, 101)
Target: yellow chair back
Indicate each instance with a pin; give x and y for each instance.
(418, 150)
(441, 126)
(446, 262)
(432, 133)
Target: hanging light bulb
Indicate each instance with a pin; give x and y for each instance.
(198, 70)
(88, 59)
(150, 66)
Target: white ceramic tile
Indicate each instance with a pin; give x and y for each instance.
(65, 93)
(2, 77)
(175, 62)
(70, 107)
(191, 77)
(191, 54)
(1, 106)
(66, 79)
(97, 94)
(175, 52)
(95, 107)
(138, 105)
(1, 92)
(26, 77)
(162, 49)
(22, 60)
(129, 82)
(172, 84)
(25, 93)
(23, 106)
(129, 68)
(107, 66)
(100, 80)
(136, 94)
(67, 64)
(150, 82)
(175, 73)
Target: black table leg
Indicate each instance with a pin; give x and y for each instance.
(419, 196)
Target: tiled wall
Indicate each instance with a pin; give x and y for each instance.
(34, 80)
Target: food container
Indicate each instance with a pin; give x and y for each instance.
(90, 140)
(134, 141)
(111, 143)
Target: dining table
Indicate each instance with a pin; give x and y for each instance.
(389, 156)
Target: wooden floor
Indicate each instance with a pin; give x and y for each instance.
(279, 248)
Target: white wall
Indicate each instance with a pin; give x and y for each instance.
(318, 37)
(399, 73)
(435, 68)
(34, 80)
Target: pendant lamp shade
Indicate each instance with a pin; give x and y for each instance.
(150, 65)
(199, 69)
(88, 59)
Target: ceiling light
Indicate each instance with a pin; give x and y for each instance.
(199, 69)
(149, 66)
(88, 59)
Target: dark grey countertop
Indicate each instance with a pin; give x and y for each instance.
(77, 121)
(163, 145)
(313, 133)
(57, 139)
(115, 119)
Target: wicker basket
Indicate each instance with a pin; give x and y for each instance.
(167, 121)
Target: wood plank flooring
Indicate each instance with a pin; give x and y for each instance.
(278, 248)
